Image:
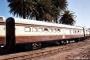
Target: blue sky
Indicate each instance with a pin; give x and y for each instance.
(4, 9)
(80, 7)
(82, 11)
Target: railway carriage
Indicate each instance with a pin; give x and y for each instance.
(32, 31)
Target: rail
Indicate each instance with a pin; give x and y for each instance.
(30, 55)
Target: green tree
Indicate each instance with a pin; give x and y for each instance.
(41, 9)
(67, 18)
(20, 8)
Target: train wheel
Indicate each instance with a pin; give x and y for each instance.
(67, 41)
(57, 43)
(72, 41)
(63, 42)
(36, 45)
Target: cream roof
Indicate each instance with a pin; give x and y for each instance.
(27, 21)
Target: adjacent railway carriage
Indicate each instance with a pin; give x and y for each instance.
(32, 31)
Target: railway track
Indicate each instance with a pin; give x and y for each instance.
(30, 55)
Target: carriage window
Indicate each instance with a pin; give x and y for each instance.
(51, 29)
(27, 29)
(45, 29)
(75, 31)
(78, 30)
(58, 30)
(34, 29)
(39, 29)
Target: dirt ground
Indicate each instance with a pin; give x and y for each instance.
(72, 51)
(75, 51)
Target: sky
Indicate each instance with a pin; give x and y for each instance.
(80, 8)
(4, 9)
